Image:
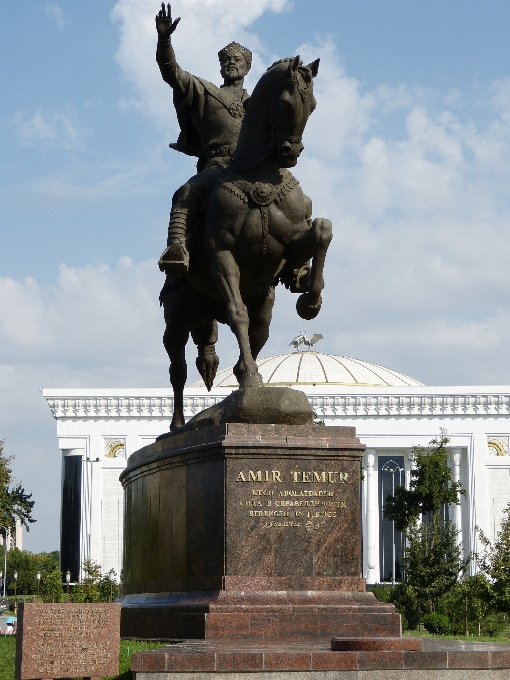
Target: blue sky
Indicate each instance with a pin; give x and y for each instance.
(407, 153)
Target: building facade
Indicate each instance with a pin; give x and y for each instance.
(98, 429)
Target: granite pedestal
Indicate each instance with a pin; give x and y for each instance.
(247, 531)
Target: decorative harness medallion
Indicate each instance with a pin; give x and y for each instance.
(261, 193)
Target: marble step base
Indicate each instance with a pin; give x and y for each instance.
(314, 660)
(257, 614)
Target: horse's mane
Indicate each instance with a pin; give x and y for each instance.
(255, 134)
(285, 60)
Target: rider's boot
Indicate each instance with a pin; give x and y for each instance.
(175, 259)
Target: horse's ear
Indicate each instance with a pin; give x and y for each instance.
(314, 67)
(294, 65)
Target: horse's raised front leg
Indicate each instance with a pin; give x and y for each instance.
(309, 304)
(227, 277)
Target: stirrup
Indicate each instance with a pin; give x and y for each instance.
(174, 263)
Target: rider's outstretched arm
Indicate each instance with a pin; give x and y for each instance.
(171, 72)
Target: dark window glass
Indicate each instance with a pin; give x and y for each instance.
(391, 542)
(71, 516)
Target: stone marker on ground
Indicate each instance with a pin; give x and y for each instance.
(67, 640)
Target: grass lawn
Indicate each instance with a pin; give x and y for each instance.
(127, 647)
(472, 638)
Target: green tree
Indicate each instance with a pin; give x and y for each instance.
(104, 586)
(432, 560)
(26, 564)
(94, 586)
(430, 489)
(472, 598)
(51, 586)
(87, 589)
(495, 562)
(15, 504)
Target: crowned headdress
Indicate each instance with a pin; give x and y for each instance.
(236, 47)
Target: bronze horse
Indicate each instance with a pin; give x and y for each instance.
(252, 229)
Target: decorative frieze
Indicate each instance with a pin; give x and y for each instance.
(411, 405)
(328, 405)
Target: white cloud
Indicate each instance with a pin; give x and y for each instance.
(217, 23)
(52, 127)
(90, 316)
(54, 11)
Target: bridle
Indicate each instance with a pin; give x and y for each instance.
(304, 88)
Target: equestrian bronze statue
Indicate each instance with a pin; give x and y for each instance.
(247, 226)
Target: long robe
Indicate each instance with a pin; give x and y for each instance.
(209, 116)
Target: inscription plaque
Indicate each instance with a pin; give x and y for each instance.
(295, 516)
(67, 640)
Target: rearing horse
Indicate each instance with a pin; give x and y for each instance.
(253, 230)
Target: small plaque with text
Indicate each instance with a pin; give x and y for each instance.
(67, 640)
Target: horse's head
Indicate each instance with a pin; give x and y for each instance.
(276, 115)
(289, 111)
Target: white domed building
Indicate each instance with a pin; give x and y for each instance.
(392, 412)
(309, 369)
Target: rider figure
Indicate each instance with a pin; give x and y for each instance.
(210, 120)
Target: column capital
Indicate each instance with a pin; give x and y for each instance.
(456, 454)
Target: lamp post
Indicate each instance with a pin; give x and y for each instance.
(15, 593)
(1, 580)
(68, 581)
(38, 577)
(112, 574)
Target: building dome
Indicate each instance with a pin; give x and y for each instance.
(313, 368)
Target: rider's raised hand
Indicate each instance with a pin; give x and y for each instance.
(164, 25)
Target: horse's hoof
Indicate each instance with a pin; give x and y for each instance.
(207, 366)
(307, 310)
(251, 380)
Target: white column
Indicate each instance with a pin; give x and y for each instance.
(372, 518)
(457, 510)
(86, 511)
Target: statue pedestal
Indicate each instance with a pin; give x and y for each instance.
(247, 531)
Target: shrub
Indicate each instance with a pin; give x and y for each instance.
(404, 599)
(438, 624)
(382, 593)
(493, 625)
(407, 605)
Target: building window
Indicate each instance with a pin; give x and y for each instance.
(391, 541)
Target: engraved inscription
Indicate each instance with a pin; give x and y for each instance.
(298, 514)
(300, 508)
(298, 476)
(62, 640)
